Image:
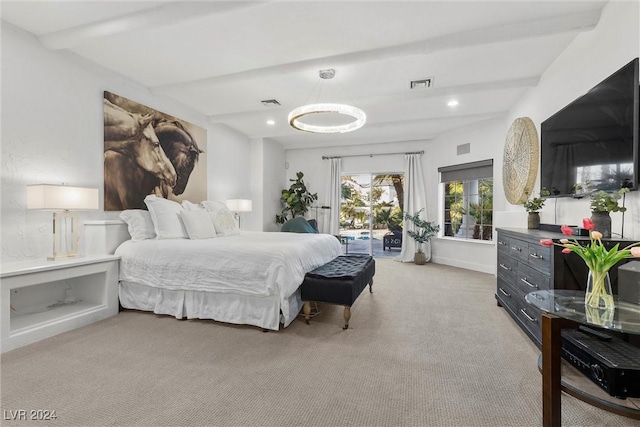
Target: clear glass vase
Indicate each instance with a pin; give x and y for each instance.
(599, 294)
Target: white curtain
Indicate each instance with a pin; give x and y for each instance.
(332, 224)
(415, 198)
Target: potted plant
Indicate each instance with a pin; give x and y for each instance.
(296, 199)
(423, 231)
(533, 206)
(601, 204)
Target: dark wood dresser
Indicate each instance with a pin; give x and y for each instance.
(525, 266)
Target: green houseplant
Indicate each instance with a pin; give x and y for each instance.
(296, 199)
(533, 206)
(601, 204)
(423, 232)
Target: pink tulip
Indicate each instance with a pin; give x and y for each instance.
(588, 224)
(566, 230)
(546, 243)
(564, 241)
(566, 251)
(596, 235)
(635, 252)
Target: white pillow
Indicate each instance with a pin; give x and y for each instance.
(198, 224)
(224, 222)
(214, 205)
(165, 215)
(139, 224)
(189, 206)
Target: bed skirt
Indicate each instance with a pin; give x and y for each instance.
(264, 312)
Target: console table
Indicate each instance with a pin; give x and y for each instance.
(565, 309)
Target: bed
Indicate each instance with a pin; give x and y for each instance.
(251, 278)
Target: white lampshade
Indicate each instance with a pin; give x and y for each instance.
(239, 205)
(61, 197)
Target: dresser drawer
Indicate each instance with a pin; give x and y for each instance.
(507, 297)
(529, 280)
(531, 318)
(503, 245)
(539, 257)
(507, 268)
(519, 249)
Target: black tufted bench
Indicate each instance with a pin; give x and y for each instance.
(339, 281)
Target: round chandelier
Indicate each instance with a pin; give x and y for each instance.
(297, 115)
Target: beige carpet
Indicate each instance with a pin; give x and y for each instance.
(429, 347)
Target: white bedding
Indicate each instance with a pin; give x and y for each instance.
(252, 264)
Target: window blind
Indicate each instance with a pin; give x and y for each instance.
(467, 171)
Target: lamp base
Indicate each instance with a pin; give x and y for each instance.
(65, 236)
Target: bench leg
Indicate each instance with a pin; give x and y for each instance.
(371, 285)
(347, 316)
(306, 309)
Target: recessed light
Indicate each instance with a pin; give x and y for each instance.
(271, 122)
(452, 103)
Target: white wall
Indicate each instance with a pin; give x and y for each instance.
(52, 132)
(267, 165)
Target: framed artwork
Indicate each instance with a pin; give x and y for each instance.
(150, 152)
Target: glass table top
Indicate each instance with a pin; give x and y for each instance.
(570, 305)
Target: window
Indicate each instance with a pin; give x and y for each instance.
(468, 200)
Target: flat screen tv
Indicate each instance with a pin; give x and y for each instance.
(593, 142)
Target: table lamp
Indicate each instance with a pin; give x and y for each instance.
(63, 199)
(239, 205)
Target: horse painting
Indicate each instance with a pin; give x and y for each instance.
(181, 149)
(140, 165)
(149, 152)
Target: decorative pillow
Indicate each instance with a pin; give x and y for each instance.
(297, 225)
(190, 206)
(198, 224)
(223, 220)
(165, 215)
(139, 224)
(214, 205)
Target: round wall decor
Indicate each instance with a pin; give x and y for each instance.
(520, 160)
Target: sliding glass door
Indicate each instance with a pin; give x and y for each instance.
(371, 213)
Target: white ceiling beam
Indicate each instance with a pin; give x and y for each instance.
(583, 21)
(165, 14)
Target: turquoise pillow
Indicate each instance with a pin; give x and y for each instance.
(298, 225)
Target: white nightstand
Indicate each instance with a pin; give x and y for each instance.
(39, 298)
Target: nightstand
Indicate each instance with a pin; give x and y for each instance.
(40, 298)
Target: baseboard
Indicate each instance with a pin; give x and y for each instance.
(455, 262)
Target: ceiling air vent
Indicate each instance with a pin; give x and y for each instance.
(270, 102)
(421, 84)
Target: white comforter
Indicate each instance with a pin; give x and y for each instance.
(252, 263)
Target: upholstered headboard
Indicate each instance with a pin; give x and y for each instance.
(104, 236)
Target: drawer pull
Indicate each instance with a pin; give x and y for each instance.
(506, 294)
(524, 279)
(531, 319)
(502, 243)
(515, 248)
(504, 267)
(535, 256)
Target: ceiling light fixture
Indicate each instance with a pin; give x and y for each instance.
(452, 103)
(328, 110)
(271, 122)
